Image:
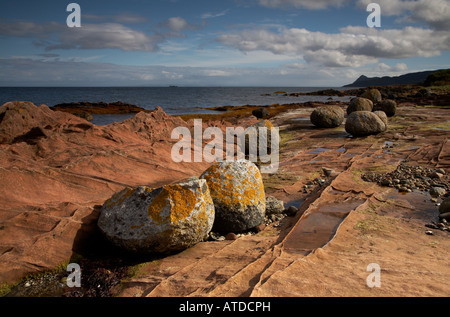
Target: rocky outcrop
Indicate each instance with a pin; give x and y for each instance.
(364, 123)
(56, 167)
(163, 220)
(359, 104)
(118, 107)
(238, 194)
(327, 117)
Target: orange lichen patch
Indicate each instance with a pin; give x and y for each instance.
(225, 191)
(181, 200)
(267, 124)
(119, 198)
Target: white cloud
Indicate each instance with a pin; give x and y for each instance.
(179, 24)
(210, 15)
(125, 18)
(352, 47)
(90, 36)
(216, 73)
(308, 4)
(53, 36)
(103, 36)
(31, 72)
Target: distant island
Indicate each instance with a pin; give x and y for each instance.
(407, 79)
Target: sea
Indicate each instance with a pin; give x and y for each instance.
(174, 100)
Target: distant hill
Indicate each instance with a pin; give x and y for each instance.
(408, 79)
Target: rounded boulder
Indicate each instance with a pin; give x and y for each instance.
(388, 106)
(274, 206)
(364, 123)
(237, 191)
(260, 113)
(162, 220)
(327, 117)
(372, 94)
(359, 104)
(382, 115)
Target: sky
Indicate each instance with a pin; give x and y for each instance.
(270, 43)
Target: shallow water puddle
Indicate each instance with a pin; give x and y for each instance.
(319, 150)
(422, 207)
(317, 227)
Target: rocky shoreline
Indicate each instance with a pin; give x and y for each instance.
(320, 165)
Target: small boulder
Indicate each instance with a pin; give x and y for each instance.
(444, 208)
(388, 106)
(364, 123)
(254, 136)
(237, 191)
(359, 104)
(274, 206)
(291, 211)
(437, 191)
(382, 115)
(260, 113)
(372, 94)
(163, 220)
(327, 117)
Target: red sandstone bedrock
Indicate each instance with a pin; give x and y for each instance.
(56, 167)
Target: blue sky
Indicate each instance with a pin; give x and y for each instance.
(218, 43)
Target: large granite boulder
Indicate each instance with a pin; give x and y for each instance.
(237, 191)
(327, 117)
(163, 220)
(388, 106)
(364, 123)
(359, 104)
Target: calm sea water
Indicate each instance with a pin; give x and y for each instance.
(174, 100)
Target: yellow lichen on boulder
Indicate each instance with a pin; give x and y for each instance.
(163, 220)
(237, 191)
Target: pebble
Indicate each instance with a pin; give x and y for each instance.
(291, 211)
(260, 227)
(429, 232)
(408, 178)
(231, 236)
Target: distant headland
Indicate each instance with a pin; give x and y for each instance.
(407, 79)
